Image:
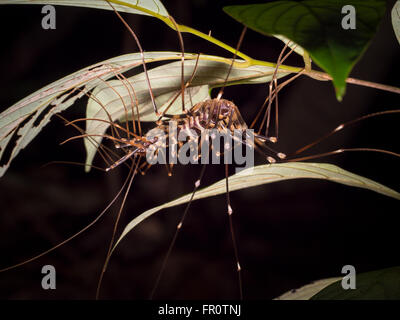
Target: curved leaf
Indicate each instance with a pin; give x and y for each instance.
(19, 122)
(316, 25)
(307, 291)
(144, 7)
(296, 48)
(269, 173)
(375, 285)
(118, 97)
(396, 19)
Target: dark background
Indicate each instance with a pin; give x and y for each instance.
(288, 233)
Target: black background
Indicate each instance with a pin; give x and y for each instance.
(288, 233)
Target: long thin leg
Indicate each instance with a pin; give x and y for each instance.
(235, 249)
(116, 226)
(221, 91)
(123, 159)
(136, 101)
(153, 101)
(275, 92)
(320, 155)
(341, 127)
(74, 235)
(338, 151)
(178, 228)
(182, 62)
(273, 95)
(164, 113)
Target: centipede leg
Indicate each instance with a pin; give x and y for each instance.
(178, 228)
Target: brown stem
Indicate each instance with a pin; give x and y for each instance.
(325, 77)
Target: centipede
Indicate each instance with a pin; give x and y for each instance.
(195, 251)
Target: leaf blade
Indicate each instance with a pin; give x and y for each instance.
(374, 285)
(26, 111)
(116, 96)
(396, 19)
(151, 7)
(315, 25)
(309, 290)
(269, 173)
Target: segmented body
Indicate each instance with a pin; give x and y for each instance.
(211, 114)
(219, 114)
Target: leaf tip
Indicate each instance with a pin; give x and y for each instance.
(340, 89)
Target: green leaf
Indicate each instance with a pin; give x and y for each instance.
(396, 19)
(144, 7)
(269, 173)
(309, 290)
(117, 98)
(316, 25)
(375, 285)
(20, 118)
(296, 48)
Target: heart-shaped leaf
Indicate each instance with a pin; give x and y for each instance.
(144, 7)
(375, 285)
(320, 27)
(269, 173)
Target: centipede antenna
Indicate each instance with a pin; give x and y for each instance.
(133, 174)
(178, 227)
(142, 56)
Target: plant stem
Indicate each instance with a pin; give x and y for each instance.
(322, 76)
(248, 61)
(373, 85)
